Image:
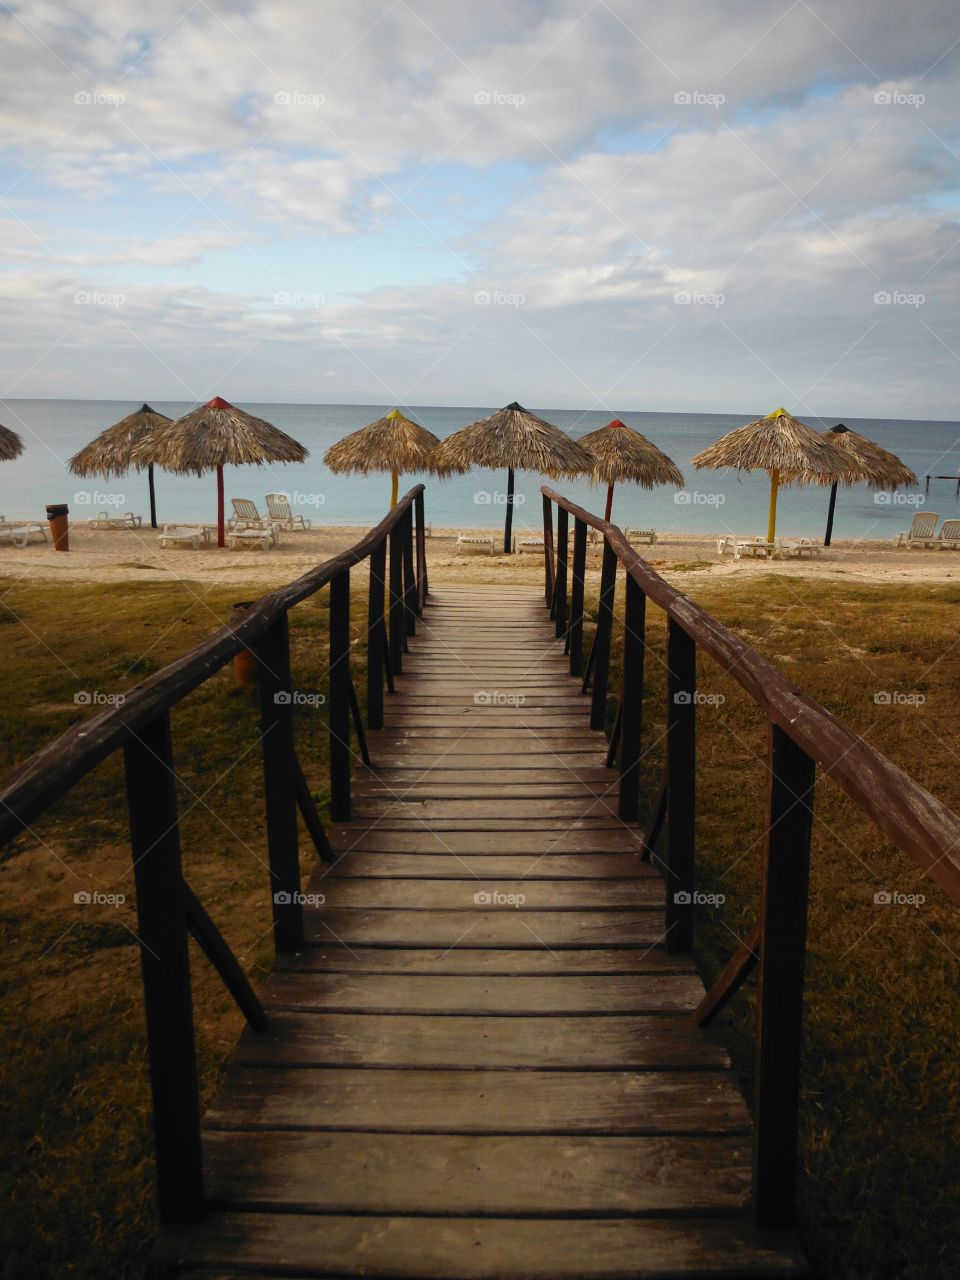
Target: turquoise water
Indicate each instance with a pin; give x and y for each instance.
(52, 430)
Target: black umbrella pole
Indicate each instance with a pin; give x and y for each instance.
(153, 497)
(830, 511)
(508, 521)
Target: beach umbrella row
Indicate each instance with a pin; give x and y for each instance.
(219, 434)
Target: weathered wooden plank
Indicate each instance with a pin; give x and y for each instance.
(596, 839)
(499, 866)
(513, 929)
(389, 1101)
(489, 776)
(325, 958)
(466, 895)
(581, 1043)
(501, 997)
(427, 1248)
(476, 1174)
(588, 806)
(418, 791)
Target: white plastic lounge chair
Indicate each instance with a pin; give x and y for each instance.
(261, 538)
(246, 515)
(950, 534)
(921, 532)
(798, 547)
(280, 513)
(20, 534)
(179, 534)
(640, 535)
(111, 520)
(523, 543)
(477, 542)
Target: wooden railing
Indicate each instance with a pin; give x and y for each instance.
(801, 735)
(167, 909)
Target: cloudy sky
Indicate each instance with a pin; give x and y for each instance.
(624, 205)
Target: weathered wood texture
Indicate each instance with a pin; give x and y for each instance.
(485, 1035)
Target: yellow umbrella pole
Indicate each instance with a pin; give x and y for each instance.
(772, 522)
(394, 488)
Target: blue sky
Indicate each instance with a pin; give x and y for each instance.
(699, 207)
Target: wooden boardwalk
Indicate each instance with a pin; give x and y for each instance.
(484, 1063)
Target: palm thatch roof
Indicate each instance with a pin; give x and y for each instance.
(392, 443)
(878, 467)
(216, 435)
(620, 453)
(109, 454)
(779, 442)
(11, 446)
(513, 438)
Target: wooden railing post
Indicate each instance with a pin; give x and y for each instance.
(576, 597)
(548, 569)
(397, 609)
(165, 963)
(631, 702)
(279, 784)
(560, 585)
(681, 784)
(601, 640)
(339, 709)
(422, 587)
(409, 578)
(376, 635)
(783, 933)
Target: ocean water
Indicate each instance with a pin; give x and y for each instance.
(712, 502)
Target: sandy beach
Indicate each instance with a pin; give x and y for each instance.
(98, 555)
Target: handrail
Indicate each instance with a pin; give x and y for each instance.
(33, 785)
(167, 908)
(916, 821)
(801, 735)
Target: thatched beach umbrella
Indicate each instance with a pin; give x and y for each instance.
(393, 443)
(109, 454)
(11, 446)
(620, 453)
(518, 440)
(786, 449)
(882, 470)
(212, 437)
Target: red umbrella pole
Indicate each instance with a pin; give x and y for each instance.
(221, 540)
(606, 514)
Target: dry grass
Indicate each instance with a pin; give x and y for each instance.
(881, 1085)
